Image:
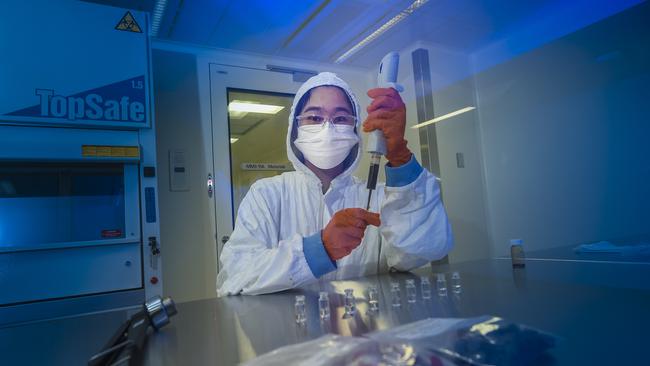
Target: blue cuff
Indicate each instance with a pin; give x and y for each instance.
(403, 175)
(317, 258)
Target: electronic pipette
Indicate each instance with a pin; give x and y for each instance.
(386, 78)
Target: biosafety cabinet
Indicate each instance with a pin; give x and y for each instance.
(78, 196)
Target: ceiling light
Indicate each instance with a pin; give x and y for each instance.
(233, 140)
(158, 12)
(252, 107)
(448, 115)
(379, 31)
(237, 115)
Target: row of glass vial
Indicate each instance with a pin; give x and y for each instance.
(350, 304)
(425, 288)
(373, 296)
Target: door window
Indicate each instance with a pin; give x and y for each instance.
(258, 130)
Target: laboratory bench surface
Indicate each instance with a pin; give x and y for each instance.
(599, 311)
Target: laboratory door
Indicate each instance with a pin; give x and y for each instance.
(250, 112)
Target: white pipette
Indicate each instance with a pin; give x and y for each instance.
(386, 78)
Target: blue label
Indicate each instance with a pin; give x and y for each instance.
(123, 101)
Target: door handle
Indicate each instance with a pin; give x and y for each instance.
(210, 185)
(224, 239)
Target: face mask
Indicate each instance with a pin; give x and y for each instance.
(326, 146)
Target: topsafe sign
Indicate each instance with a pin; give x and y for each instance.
(123, 101)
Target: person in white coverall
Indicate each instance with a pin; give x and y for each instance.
(307, 224)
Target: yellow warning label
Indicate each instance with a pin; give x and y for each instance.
(117, 151)
(104, 151)
(90, 151)
(132, 152)
(128, 23)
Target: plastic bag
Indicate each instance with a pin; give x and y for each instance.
(484, 340)
(326, 350)
(330, 350)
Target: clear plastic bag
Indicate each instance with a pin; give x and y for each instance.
(324, 351)
(484, 340)
(331, 350)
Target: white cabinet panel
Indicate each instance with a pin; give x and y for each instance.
(48, 274)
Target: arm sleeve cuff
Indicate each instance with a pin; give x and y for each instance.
(317, 258)
(403, 175)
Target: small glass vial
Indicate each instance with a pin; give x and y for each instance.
(425, 286)
(455, 283)
(301, 314)
(395, 294)
(373, 298)
(324, 305)
(517, 253)
(350, 302)
(441, 283)
(411, 293)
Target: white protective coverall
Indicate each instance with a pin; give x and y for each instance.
(265, 251)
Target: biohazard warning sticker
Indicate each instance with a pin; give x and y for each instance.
(128, 23)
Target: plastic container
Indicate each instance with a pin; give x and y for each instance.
(517, 253)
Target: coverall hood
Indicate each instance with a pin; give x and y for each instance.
(295, 156)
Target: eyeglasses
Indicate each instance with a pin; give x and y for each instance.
(316, 119)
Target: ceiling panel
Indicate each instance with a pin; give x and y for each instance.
(141, 5)
(321, 30)
(339, 25)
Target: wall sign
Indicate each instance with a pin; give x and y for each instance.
(84, 72)
(267, 166)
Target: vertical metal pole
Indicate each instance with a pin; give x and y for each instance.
(428, 138)
(425, 112)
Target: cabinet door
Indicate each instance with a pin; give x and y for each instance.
(58, 273)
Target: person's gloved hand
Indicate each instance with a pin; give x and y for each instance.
(387, 113)
(345, 230)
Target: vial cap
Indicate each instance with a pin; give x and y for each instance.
(300, 298)
(516, 242)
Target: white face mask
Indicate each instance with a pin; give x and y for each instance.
(326, 146)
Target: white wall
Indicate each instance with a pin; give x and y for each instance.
(535, 31)
(186, 223)
(564, 131)
(463, 189)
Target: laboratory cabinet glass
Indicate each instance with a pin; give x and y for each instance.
(66, 227)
